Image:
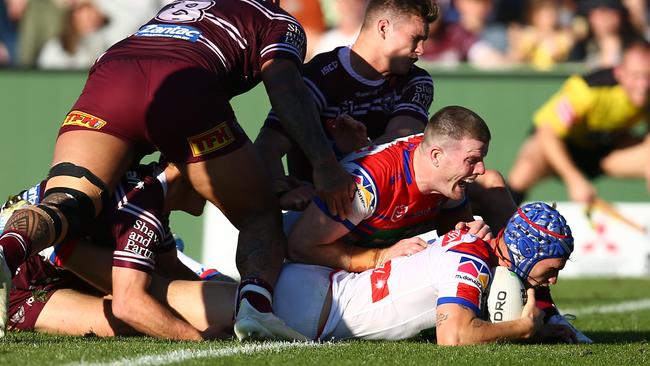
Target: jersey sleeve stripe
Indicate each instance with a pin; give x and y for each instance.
(323, 207)
(459, 301)
(411, 107)
(282, 47)
(271, 15)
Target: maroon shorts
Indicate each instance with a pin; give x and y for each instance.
(36, 281)
(172, 106)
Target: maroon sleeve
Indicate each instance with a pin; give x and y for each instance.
(283, 38)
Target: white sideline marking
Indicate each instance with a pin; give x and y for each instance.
(620, 307)
(187, 354)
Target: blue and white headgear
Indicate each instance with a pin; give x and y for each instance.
(536, 231)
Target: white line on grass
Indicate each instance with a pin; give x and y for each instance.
(187, 354)
(620, 307)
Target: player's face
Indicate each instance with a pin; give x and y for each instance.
(634, 76)
(462, 162)
(404, 43)
(545, 272)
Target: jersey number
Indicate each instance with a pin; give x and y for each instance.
(379, 282)
(184, 11)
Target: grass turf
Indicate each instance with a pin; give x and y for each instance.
(621, 340)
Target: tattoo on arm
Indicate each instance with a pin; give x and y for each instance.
(441, 318)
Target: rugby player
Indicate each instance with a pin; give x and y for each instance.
(442, 286)
(178, 73)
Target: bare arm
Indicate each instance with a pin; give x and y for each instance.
(297, 111)
(458, 325)
(169, 265)
(400, 126)
(317, 239)
(271, 145)
(134, 306)
(558, 157)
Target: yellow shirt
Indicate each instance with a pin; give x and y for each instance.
(591, 104)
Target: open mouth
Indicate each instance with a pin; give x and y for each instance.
(463, 183)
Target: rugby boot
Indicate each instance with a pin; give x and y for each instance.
(251, 324)
(562, 320)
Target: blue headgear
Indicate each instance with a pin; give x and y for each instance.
(535, 232)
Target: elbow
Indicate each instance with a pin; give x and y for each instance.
(123, 309)
(296, 251)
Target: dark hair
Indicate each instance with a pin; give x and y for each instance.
(457, 122)
(425, 9)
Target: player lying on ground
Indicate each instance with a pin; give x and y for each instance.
(442, 286)
(134, 230)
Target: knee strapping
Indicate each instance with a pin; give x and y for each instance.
(77, 195)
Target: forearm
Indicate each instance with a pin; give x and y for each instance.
(271, 147)
(339, 254)
(148, 316)
(557, 155)
(478, 331)
(293, 103)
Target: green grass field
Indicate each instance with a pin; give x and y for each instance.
(615, 313)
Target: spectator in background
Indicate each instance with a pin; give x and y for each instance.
(639, 15)
(41, 20)
(469, 39)
(310, 15)
(609, 31)
(349, 19)
(541, 42)
(80, 42)
(10, 13)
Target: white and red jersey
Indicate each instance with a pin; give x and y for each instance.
(395, 301)
(234, 38)
(388, 205)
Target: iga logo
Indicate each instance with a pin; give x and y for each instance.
(183, 32)
(78, 118)
(211, 140)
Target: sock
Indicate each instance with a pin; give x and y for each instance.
(258, 293)
(15, 246)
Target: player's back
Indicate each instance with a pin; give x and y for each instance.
(399, 299)
(230, 37)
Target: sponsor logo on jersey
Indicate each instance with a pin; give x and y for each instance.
(473, 271)
(379, 282)
(399, 212)
(78, 118)
(19, 316)
(365, 188)
(212, 140)
(451, 237)
(32, 195)
(183, 32)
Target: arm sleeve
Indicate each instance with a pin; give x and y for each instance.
(567, 107)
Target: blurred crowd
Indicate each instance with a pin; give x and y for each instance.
(71, 34)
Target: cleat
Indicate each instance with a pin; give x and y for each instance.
(5, 288)
(562, 320)
(251, 324)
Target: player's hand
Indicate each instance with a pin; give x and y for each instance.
(335, 187)
(581, 190)
(477, 228)
(298, 197)
(348, 133)
(404, 247)
(531, 316)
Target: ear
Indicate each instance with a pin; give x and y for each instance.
(435, 155)
(382, 27)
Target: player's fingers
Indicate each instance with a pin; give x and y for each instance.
(530, 301)
(460, 226)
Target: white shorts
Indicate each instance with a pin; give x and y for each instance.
(299, 296)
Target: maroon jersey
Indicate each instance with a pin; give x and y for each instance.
(338, 89)
(233, 38)
(135, 225)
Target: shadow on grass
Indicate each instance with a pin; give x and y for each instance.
(618, 337)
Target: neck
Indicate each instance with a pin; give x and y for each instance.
(423, 171)
(365, 60)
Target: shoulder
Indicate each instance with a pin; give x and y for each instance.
(603, 77)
